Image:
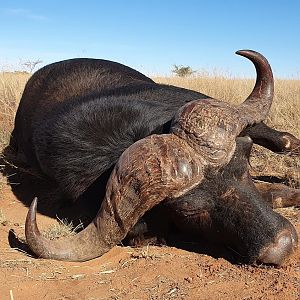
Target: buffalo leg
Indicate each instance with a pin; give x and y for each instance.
(274, 140)
(278, 195)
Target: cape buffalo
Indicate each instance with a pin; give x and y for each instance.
(165, 147)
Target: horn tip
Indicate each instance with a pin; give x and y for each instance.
(33, 206)
(31, 215)
(245, 52)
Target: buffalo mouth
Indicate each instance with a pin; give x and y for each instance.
(277, 252)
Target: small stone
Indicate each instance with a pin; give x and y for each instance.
(78, 276)
(188, 279)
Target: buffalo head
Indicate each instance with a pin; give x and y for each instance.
(226, 208)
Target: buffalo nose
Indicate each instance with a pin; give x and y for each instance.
(285, 244)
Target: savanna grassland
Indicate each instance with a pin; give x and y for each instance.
(152, 272)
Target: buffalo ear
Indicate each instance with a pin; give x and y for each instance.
(244, 146)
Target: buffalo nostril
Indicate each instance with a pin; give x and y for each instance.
(285, 244)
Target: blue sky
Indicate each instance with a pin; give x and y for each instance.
(153, 35)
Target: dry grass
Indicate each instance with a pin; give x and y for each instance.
(61, 229)
(2, 181)
(3, 219)
(284, 114)
(11, 88)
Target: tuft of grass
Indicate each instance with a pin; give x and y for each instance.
(62, 229)
(286, 168)
(2, 179)
(3, 219)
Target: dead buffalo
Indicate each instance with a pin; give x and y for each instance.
(167, 148)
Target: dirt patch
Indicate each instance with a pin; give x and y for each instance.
(137, 273)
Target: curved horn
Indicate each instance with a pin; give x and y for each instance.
(211, 126)
(148, 172)
(63, 249)
(258, 103)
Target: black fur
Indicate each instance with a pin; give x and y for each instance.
(74, 134)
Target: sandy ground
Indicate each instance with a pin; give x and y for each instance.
(150, 272)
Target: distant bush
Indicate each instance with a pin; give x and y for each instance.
(30, 65)
(183, 71)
